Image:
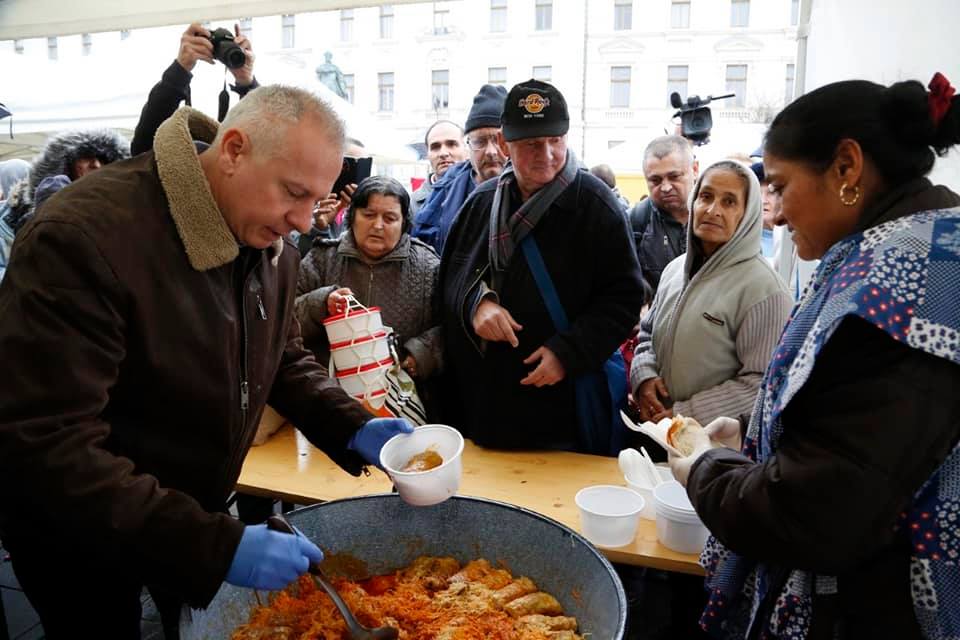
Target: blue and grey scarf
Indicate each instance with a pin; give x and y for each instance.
(902, 277)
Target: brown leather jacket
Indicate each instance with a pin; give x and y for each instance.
(141, 345)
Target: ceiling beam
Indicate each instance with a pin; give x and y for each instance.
(21, 19)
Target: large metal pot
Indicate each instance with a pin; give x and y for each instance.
(387, 534)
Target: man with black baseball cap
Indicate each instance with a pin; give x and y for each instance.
(485, 161)
(513, 367)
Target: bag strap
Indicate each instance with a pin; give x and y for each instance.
(542, 277)
(640, 216)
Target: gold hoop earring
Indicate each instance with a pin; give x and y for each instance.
(856, 194)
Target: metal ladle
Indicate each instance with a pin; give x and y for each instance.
(357, 630)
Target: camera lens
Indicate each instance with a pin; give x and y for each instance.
(234, 57)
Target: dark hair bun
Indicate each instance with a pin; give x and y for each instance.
(905, 108)
(948, 133)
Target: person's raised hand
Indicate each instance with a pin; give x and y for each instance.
(494, 323)
(337, 300)
(195, 45)
(270, 560)
(549, 369)
(243, 76)
(374, 434)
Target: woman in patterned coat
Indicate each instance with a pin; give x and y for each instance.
(840, 517)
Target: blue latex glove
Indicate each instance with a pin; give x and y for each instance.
(372, 436)
(270, 560)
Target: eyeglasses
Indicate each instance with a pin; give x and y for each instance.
(479, 144)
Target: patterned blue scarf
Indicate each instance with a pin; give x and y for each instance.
(902, 277)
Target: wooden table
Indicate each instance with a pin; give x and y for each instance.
(288, 467)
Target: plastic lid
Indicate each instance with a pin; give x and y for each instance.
(364, 368)
(351, 314)
(377, 335)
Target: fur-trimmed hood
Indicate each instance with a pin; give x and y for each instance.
(57, 158)
(207, 239)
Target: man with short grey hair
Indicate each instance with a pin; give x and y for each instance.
(658, 223)
(148, 314)
(513, 365)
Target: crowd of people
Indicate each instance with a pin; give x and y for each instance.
(156, 296)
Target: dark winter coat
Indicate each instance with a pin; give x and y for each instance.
(587, 250)
(145, 345)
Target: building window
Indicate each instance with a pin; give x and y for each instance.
(543, 73)
(498, 16)
(52, 48)
(497, 75)
(87, 45)
(622, 15)
(544, 15)
(18, 46)
(348, 84)
(739, 13)
(386, 22)
(440, 84)
(677, 81)
(385, 85)
(441, 18)
(246, 27)
(794, 12)
(289, 27)
(619, 87)
(124, 34)
(346, 25)
(788, 89)
(737, 83)
(680, 14)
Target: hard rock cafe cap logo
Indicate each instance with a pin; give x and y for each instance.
(534, 109)
(534, 103)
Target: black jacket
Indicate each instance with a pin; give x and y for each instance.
(658, 239)
(586, 247)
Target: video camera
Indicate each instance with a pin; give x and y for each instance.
(695, 118)
(226, 50)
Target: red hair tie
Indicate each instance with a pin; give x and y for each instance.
(939, 98)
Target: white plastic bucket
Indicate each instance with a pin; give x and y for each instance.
(354, 323)
(609, 515)
(678, 526)
(435, 485)
(363, 350)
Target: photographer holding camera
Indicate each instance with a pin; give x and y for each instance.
(196, 43)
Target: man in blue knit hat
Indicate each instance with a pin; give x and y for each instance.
(486, 160)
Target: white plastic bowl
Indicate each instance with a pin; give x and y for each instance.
(648, 512)
(425, 488)
(366, 380)
(353, 324)
(351, 354)
(678, 526)
(609, 515)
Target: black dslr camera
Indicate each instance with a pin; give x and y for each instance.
(226, 50)
(695, 118)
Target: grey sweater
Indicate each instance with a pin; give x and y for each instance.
(710, 332)
(402, 284)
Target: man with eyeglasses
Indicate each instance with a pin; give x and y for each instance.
(432, 223)
(659, 222)
(513, 367)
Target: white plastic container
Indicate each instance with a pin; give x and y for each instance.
(678, 526)
(366, 380)
(376, 400)
(353, 324)
(351, 354)
(424, 488)
(648, 512)
(609, 515)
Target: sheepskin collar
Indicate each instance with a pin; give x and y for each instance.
(207, 239)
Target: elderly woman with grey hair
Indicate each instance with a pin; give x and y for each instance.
(378, 263)
(718, 313)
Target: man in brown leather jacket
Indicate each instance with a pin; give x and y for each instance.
(145, 320)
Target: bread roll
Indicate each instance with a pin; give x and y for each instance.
(682, 434)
